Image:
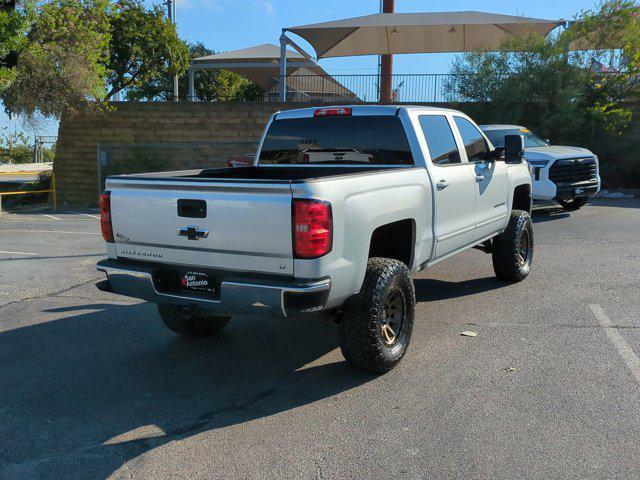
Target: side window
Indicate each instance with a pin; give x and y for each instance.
(474, 143)
(440, 140)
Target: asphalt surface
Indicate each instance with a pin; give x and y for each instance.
(94, 386)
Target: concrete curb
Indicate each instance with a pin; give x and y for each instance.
(619, 193)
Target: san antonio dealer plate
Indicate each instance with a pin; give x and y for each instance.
(198, 282)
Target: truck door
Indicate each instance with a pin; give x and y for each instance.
(454, 186)
(490, 180)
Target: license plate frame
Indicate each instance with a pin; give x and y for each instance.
(198, 283)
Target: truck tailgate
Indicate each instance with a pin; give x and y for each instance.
(247, 225)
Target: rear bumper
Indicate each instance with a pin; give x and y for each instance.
(235, 297)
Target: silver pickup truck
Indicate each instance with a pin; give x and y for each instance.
(341, 205)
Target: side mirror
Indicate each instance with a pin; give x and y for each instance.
(513, 149)
(498, 154)
(493, 155)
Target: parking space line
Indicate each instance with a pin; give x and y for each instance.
(49, 231)
(51, 217)
(86, 215)
(19, 253)
(624, 349)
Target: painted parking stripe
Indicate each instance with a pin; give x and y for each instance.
(86, 215)
(51, 217)
(19, 253)
(626, 352)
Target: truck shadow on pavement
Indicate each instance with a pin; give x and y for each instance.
(83, 394)
(430, 289)
(542, 216)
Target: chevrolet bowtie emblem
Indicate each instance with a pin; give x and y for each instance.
(193, 233)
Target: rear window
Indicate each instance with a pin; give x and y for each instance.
(373, 140)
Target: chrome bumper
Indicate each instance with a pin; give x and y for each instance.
(234, 298)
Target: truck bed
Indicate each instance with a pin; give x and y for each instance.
(262, 174)
(245, 220)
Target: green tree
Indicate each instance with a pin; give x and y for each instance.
(49, 154)
(14, 24)
(614, 30)
(14, 147)
(536, 81)
(144, 46)
(209, 85)
(59, 68)
(579, 97)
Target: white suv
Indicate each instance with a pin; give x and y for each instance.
(560, 175)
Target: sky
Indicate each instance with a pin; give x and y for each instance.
(224, 25)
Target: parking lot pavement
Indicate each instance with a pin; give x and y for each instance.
(94, 386)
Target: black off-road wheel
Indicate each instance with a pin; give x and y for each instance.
(573, 204)
(376, 324)
(512, 250)
(191, 322)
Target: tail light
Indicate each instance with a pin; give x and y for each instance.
(105, 217)
(333, 112)
(312, 228)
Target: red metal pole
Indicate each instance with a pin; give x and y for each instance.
(386, 62)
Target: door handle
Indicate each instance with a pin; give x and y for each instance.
(479, 178)
(442, 184)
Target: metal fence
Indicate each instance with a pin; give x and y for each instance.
(364, 88)
(22, 190)
(406, 88)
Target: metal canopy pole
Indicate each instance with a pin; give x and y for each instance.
(386, 62)
(283, 67)
(192, 93)
(171, 13)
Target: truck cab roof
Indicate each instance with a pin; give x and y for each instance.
(356, 110)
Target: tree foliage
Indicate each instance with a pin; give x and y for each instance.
(14, 24)
(209, 85)
(73, 55)
(59, 68)
(568, 94)
(144, 47)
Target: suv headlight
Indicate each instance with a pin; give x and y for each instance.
(539, 163)
(536, 165)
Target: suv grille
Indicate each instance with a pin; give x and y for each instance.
(574, 170)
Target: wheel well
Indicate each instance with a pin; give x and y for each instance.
(394, 240)
(522, 198)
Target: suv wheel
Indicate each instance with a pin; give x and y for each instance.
(573, 204)
(512, 250)
(376, 325)
(191, 322)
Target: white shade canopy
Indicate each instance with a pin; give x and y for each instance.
(266, 51)
(261, 65)
(397, 33)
